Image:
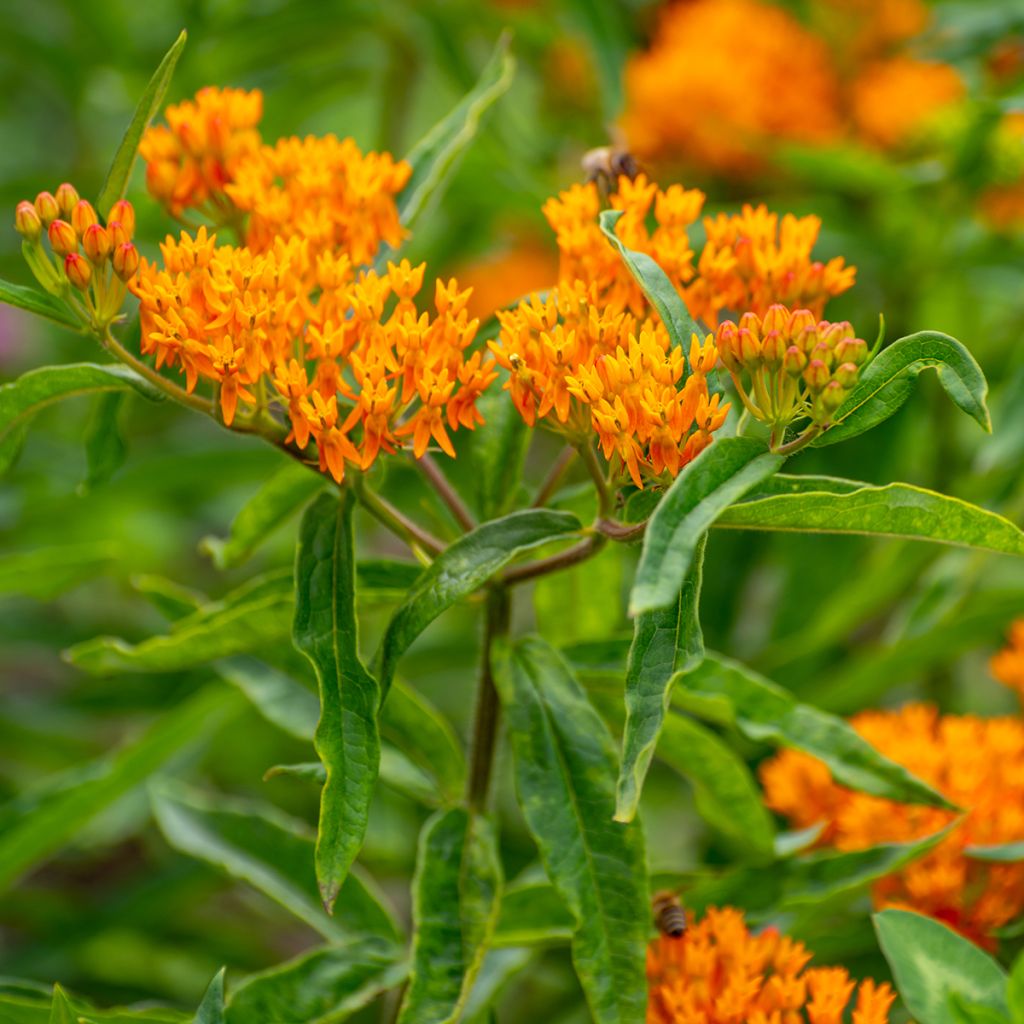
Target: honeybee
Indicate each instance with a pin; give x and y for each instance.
(606, 164)
(669, 915)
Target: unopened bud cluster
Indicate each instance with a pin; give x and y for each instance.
(790, 365)
(88, 264)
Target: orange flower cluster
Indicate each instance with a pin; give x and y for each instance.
(586, 366)
(725, 81)
(795, 365)
(977, 764)
(717, 972)
(1008, 665)
(251, 322)
(191, 158)
(89, 262)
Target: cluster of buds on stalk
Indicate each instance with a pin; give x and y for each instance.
(89, 264)
(789, 366)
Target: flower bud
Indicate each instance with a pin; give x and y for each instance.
(773, 349)
(846, 374)
(46, 207)
(799, 321)
(63, 239)
(751, 322)
(27, 222)
(749, 347)
(794, 361)
(83, 216)
(96, 243)
(726, 341)
(832, 397)
(837, 332)
(78, 270)
(823, 351)
(775, 318)
(806, 338)
(67, 199)
(816, 376)
(852, 350)
(126, 261)
(118, 234)
(124, 213)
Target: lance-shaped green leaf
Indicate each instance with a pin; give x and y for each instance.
(565, 777)
(61, 1010)
(323, 986)
(211, 1009)
(34, 829)
(498, 452)
(120, 171)
(665, 641)
(435, 156)
(932, 964)
(33, 391)
(288, 491)
(105, 448)
(705, 488)
(272, 852)
(727, 797)
(889, 378)
(27, 1008)
(40, 303)
(533, 914)
(894, 510)
(656, 285)
(725, 691)
(347, 738)
(456, 898)
(997, 853)
(462, 568)
(44, 573)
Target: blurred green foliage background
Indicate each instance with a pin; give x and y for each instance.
(846, 623)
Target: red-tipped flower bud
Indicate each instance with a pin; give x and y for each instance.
(96, 243)
(46, 207)
(816, 376)
(799, 321)
(67, 199)
(726, 342)
(83, 216)
(27, 222)
(63, 239)
(118, 234)
(124, 213)
(78, 270)
(852, 350)
(795, 361)
(806, 338)
(824, 351)
(846, 374)
(751, 322)
(832, 397)
(126, 261)
(775, 318)
(773, 349)
(749, 347)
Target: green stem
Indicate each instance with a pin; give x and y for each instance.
(580, 552)
(799, 442)
(604, 494)
(488, 707)
(554, 477)
(436, 478)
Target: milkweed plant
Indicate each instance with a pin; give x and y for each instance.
(656, 397)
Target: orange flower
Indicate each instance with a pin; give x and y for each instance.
(725, 81)
(717, 972)
(893, 100)
(1008, 665)
(978, 764)
(191, 159)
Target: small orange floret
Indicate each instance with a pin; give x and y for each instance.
(718, 972)
(976, 763)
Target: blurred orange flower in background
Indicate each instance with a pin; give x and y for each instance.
(507, 275)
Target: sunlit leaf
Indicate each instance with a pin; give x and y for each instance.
(456, 897)
(40, 303)
(211, 1009)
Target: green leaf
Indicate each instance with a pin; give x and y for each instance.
(1015, 990)
(46, 572)
(456, 897)
(532, 914)
(464, 567)
(288, 491)
(347, 738)
(660, 291)
(23, 398)
(211, 1009)
(725, 691)
(40, 303)
(436, 155)
(61, 1010)
(19, 1008)
(1002, 853)
(888, 379)
(277, 697)
(565, 777)
(665, 641)
(727, 796)
(931, 963)
(894, 510)
(120, 171)
(36, 830)
(323, 986)
(105, 448)
(272, 852)
(498, 452)
(705, 488)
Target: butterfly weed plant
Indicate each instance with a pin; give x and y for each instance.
(679, 378)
